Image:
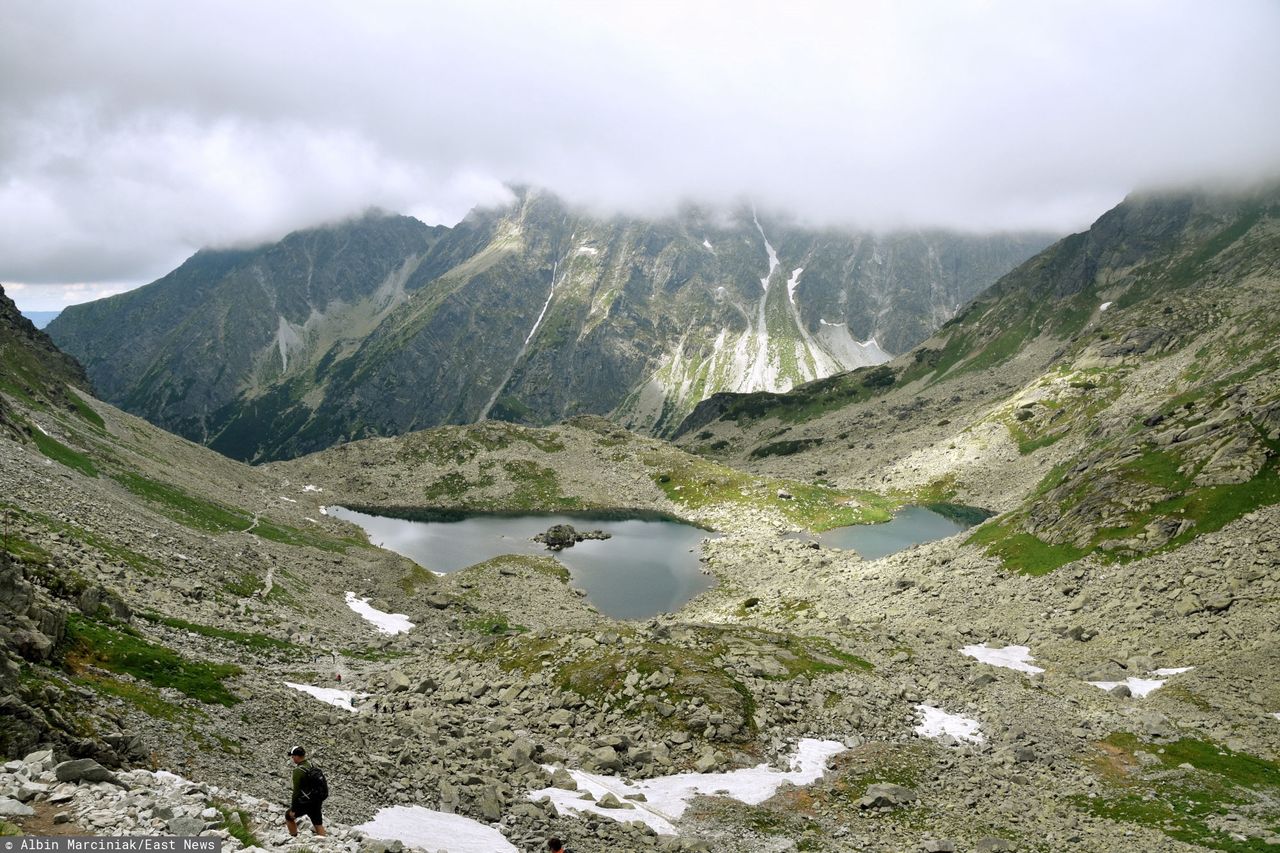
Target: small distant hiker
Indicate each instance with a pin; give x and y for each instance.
(310, 789)
(555, 845)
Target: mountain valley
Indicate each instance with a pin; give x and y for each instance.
(1094, 665)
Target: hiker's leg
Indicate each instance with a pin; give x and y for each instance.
(290, 822)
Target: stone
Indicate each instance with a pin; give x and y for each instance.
(1219, 601)
(185, 826)
(43, 758)
(610, 801)
(1187, 605)
(942, 845)
(604, 758)
(84, 770)
(991, 844)
(398, 682)
(9, 807)
(884, 795)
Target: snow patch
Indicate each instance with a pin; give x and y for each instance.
(420, 827)
(1010, 657)
(1104, 306)
(324, 510)
(936, 722)
(588, 250)
(387, 623)
(285, 337)
(792, 283)
(290, 500)
(343, 699)
(707, 243)
(311, 488)
(1137, 686)
(768, 247)
(667, 797)
(1276, 715)
(1142, 686)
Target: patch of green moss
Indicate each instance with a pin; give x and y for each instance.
(145, 699)
(85, 411)
(63, 455)
(121, 651)
(494, 624)
(239, 824)
(1023, 552)
(697, 483)
(183, 507)
(1197, 780)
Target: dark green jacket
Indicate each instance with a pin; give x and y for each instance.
(298, 772)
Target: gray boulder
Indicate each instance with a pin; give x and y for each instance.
(883, 795)
(9, 807)
(84, 770)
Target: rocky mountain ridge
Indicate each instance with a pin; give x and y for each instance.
(530, 313)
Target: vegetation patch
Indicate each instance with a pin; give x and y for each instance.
(63, 455)
(788, 447)
(259, 642)
(494, 624)
(183, 507)
(1193, 784)
(697, 484)
(146, 699)
(125, 652)
(238, 824)
(813, 399)
(1023, 552)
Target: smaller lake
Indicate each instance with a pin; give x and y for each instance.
(912, 525)
(647, 567)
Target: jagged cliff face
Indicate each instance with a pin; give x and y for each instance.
(529, 313)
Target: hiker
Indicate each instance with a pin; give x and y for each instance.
(555, 845)
(310, 789)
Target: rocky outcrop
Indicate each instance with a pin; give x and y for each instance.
(561, 536)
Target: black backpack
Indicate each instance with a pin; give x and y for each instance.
(313, 787)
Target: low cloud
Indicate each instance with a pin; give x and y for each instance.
(136, 133)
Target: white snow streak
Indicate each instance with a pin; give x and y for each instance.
(1010, 657)
(1104, 306)
(768, 247)
(792, 283)
(290, 500)
(310, 488)
(543, 312)
(387, 623)
(667, 797)
(1172, 670)
(588, 250)
(423, 828)
(343, 699)
(937, 722)
(707, 243)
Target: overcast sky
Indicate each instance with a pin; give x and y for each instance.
(133, 133)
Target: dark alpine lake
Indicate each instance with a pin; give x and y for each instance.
(649, 566)
(913, 525)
